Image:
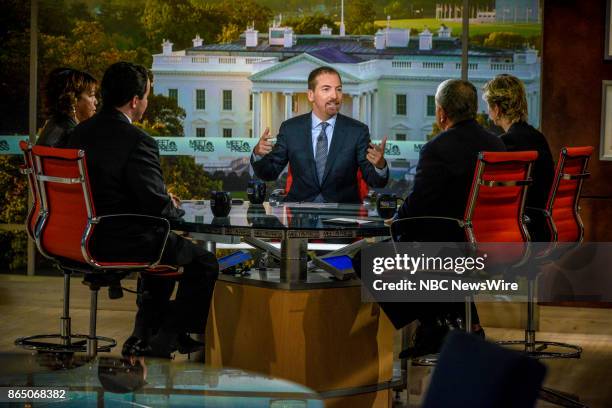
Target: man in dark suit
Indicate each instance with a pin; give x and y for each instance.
(324, 148)
(126, 178)
(441, 187)
(446, 164)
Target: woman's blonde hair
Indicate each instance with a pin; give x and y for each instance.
(508, 93)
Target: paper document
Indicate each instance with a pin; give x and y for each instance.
(347, 221)
(310, 205)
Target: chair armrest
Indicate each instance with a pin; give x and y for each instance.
(535, 210)
(131, 228)
(23, 169)
(136, 217)
(538, 222)
(533, 213)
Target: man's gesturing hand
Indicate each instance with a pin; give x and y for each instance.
(264, 146)
(376, 154)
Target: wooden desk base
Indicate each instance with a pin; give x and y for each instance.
(326, 339)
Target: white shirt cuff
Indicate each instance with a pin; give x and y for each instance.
(382, 172)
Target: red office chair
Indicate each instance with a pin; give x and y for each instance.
(563, 224)
(64, 337)
(494, 213)
(361, 183)
(562, 204)
(66, 223)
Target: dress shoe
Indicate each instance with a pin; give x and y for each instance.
(135, 346)
(428, 339)
(430, 334)
(163, 344)
(187, 345)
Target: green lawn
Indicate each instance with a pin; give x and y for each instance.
(523, 29)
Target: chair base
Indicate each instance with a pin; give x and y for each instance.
(75, 343)
(537, 349)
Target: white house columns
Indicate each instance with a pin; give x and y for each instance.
(256, 114)
(370, 105)
(367, 119)
(374, 114)
(288, 104)
(356, 105)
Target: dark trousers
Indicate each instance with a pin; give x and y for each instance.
(189, 311)
(404, 313)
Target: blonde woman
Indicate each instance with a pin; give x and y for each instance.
(70, 98)
(505, 95)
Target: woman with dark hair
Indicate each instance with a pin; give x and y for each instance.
(506, 97)
(70, 98)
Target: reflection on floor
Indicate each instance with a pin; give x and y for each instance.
(31, 305)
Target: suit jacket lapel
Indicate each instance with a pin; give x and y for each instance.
(335, 148)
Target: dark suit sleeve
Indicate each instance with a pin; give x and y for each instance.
(367, 169)
(272, 164)
(144, 179)
(430, 179)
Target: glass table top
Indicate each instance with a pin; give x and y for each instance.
(337, 220)
(136, 382)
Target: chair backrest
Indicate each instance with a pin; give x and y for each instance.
(66, 203)
(27, 168)
(472, 372)
(562, 205)
(494, 212)
(362, 186)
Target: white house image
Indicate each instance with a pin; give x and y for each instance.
(389, 79)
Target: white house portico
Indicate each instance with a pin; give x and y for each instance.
(282, 89)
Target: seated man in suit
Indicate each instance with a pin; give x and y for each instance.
(324, 148)
(126, 178)
(441, 187)
(446, 164)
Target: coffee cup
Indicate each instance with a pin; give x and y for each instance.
(386, 205)
(220, 203)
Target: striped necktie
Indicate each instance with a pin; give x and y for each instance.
(321, 153)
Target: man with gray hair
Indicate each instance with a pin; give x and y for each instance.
(441, 187)
(446, 163)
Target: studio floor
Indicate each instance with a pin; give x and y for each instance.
(31, 305)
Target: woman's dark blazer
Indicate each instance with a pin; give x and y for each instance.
(520, 137)
(56, 131)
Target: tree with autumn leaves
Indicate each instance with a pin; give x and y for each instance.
(77, 35)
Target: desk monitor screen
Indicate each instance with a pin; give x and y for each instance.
(342, 262)
(233, 259)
